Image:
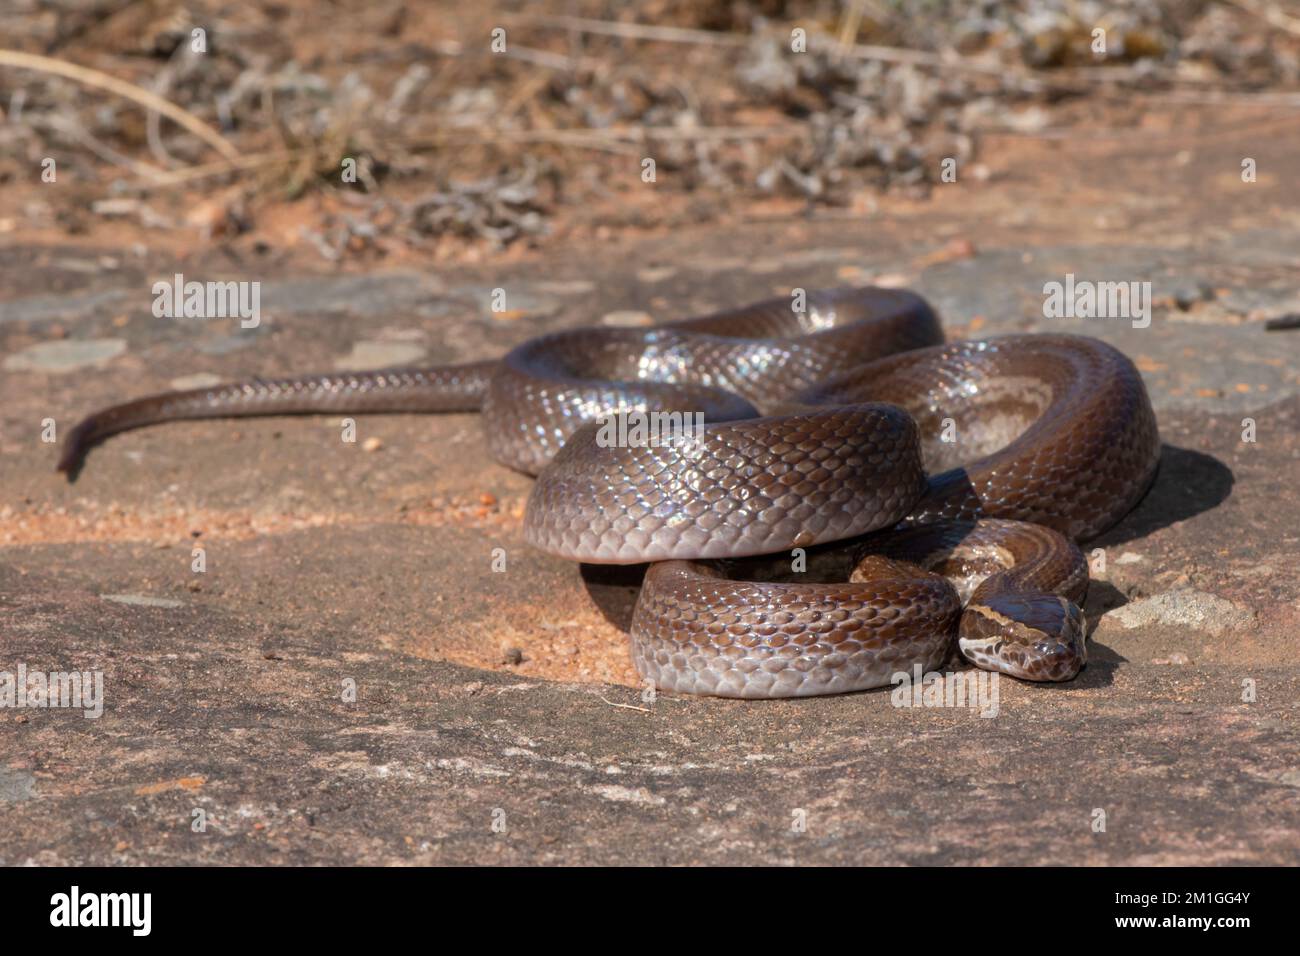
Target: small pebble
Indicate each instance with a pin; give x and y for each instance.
(142, 600)
(626, 319)
(1188, 295)
(65, 355)
(380, 354)
(197, 380)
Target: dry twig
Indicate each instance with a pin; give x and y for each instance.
(644, 710)
(103, 81)
(1270, 15)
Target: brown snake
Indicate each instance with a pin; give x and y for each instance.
(988, 458)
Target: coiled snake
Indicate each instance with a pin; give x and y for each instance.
(988, 459)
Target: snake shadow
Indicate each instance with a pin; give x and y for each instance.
(613, 588)
(1103, 662)
(1187, 483)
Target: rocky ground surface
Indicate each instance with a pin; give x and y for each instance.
(495, 716)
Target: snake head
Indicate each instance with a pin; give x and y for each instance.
(1038, 637)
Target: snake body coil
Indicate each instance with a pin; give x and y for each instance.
(819, 426)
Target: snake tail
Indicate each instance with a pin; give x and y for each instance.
(452, 388)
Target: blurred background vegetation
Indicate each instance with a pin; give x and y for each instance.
(236, 122)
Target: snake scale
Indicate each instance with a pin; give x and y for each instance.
(957, 478)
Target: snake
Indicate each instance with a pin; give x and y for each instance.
(949, 483)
